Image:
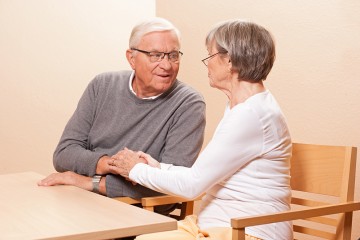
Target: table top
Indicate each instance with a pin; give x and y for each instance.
(28, 211)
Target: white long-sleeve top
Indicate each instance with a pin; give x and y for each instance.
(244, 169)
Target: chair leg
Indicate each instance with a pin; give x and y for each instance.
(149, 208)
(347, 225)
(238, 234)
(187, 208)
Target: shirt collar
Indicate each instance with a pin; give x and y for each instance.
(132, 90)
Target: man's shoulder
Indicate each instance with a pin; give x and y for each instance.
(114, 76)
(108, 80)
(185, 89)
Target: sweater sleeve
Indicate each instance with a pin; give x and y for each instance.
(238, 140)
(73, 152)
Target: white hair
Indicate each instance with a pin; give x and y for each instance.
(151, 25)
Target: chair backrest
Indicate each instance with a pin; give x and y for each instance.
(321, 175)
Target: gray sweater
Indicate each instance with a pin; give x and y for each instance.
(110, 117)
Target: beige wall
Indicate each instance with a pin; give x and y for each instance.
(49, 51)
(316, 73)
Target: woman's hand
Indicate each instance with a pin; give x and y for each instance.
(124, 161)
(151, 161)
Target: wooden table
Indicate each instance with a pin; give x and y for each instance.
(66, 212)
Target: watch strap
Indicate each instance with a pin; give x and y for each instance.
(96, 182)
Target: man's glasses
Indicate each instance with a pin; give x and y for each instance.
(206, 60)
(158, 56)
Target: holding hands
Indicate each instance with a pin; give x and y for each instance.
(124, 161)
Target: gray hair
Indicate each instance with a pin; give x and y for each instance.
(250, 47)
(151, 25)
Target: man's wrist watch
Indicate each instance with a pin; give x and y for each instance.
(96, 181)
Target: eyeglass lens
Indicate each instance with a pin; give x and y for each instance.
(158, 56)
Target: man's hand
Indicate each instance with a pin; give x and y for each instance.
(124, 161)
(67, 178)
(103, 165)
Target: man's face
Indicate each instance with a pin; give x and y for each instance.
(154, 78)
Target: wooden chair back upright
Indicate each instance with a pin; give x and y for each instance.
(322, 175)
(323, 183)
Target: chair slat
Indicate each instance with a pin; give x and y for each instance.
(314, 232)
(307, 202)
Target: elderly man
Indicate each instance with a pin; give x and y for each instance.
(146, 109)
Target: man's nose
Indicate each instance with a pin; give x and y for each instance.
(165, 63)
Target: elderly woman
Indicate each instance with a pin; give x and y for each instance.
(244, 170)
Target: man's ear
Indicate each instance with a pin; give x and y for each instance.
(130, 58)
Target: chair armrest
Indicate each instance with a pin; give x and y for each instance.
(187, 205)
(239, 223)
(165, 199)
(127, 200)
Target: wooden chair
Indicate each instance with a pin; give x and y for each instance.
(323, 182)
(185, 206)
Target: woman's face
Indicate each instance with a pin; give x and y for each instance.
(218, 68)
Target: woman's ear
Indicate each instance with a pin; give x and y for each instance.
(229, 65)
(131, 59)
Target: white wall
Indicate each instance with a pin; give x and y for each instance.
(49, 51)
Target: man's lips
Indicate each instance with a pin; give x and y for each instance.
(164, 76)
